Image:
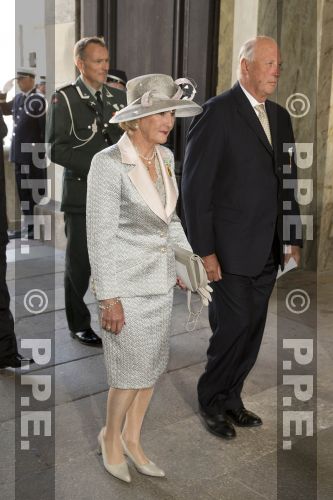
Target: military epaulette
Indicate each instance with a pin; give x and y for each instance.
(67, 85)
(114, 92)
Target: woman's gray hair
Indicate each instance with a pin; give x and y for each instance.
(247, 50)
(129, 126)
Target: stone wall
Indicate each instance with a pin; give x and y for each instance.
(325, 135)
(305, 51)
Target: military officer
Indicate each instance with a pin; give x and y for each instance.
(27, 148)
(9, 355)
(77, 128)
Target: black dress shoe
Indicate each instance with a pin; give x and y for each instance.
(244, 418)
(16, 361)
(219, 424)
(87, 337)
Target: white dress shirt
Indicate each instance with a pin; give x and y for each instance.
(253, 100)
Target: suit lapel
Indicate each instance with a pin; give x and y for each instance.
(170, 184)
(249, 115)
(140, 178)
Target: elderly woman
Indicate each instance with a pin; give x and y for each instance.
(131, 228)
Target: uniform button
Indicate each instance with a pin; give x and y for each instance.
(106, 140)
(105, 124)
(79, 178)
(17, 116)
(89, 126)
(15, 125)
(13, 133)
(20, 108)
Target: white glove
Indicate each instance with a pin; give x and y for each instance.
(205, 294)
(8, 86)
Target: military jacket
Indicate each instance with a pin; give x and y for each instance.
(28, 124)
(77, 128)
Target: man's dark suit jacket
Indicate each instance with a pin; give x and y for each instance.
(232, 183)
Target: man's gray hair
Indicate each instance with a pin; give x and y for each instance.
(247, 49)
(82, 44)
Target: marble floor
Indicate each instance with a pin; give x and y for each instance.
(199, 466)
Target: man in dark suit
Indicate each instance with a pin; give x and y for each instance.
(27, 148)
(9, 356)
(77, 128)
(233, 202)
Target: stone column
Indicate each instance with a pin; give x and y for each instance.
(60, 39)
(291, 24)
(245, 27)
(225, 49)
(325, 136)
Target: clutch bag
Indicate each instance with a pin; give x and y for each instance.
(190, 269)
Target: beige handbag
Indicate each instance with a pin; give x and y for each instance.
(191, 271)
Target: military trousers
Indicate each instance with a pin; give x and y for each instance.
(8, 347)
(77, 272)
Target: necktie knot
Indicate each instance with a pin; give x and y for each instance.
(98, 96)
(260, 108)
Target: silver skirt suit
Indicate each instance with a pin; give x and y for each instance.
(133, 259)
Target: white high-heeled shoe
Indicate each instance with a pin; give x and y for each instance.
(120, 471)
(149, 469)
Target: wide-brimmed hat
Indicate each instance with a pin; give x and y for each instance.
(156, 93)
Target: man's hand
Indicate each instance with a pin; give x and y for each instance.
(8, 86)
(292, 251)
(213, 268)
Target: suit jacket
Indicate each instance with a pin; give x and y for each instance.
(76, 129)
(232, 183)
(130, 233)
(3, 208)
(29, 125)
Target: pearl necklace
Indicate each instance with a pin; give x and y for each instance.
(150, 159)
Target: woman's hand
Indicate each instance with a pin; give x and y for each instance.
(112, 315)
(180, 283)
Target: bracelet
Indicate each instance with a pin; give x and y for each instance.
(110, 304)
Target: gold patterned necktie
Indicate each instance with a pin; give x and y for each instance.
(263, 118)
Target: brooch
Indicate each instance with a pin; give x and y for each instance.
(167, 166)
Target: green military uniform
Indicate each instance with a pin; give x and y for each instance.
(77, 128)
